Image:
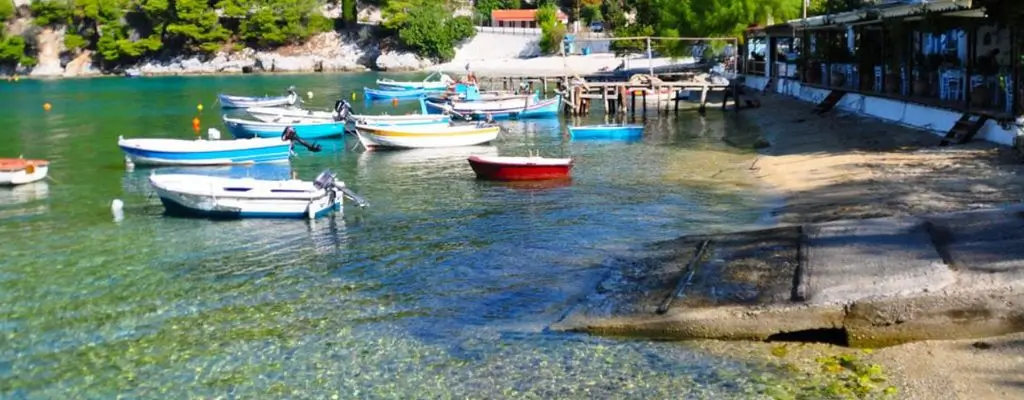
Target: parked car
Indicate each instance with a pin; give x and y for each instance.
(597, 26)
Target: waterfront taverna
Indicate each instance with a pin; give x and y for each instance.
(947, 66)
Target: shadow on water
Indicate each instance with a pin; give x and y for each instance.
(442, 287)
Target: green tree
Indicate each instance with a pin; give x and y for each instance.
(552, 30)
(592, 13)
(196, 26)
(427, 27)
(12, 52)
(6, 9)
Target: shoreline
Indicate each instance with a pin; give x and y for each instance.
(841, 166)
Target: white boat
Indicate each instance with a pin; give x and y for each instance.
(19, 171)
(205, 152)
(343, 112)
(442, 83)
(218, 197)
(230, 101)
(425, 136)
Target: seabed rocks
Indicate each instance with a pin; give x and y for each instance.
(861, 283)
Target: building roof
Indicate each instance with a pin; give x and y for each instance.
(883, 10)
(521, 15)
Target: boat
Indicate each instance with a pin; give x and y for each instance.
(343, 112)
(311, 129)
(206, 152)
(425, 136)
(532, 168)
(219, 197)
(19, 171)
(441, 84)
(607, 131)
(230, 101)
(386, 94)
(500, 109)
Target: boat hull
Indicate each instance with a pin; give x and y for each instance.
(211, 197)
(19, 172)
(274, 114)
(498, 171)
(502, 109)
(228, 101)
(384, 94)
(242, 129)
(606, 131)
(385, 137)
(202, 152)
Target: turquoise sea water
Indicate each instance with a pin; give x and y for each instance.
(442, 288)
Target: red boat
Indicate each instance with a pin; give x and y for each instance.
(520, 168)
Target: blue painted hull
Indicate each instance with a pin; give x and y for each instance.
(311, 131)
(379, 94)
(607, 132)
(545, 109)
(224, 157)
(173, 208)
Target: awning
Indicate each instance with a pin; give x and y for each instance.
(904, 10)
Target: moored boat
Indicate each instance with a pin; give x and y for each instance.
(19, 171)
(230, 101)
(205, 152)
(243, 129)
(531, 168)
(500, 109)
(425, 136)
(607, 131)
(218, 197)
(385, 94)
(442, 82)
(343, 112)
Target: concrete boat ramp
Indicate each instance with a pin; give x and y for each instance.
(862, 283)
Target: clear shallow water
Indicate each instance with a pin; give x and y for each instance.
(442, 288)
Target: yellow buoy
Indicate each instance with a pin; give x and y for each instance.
(309, 94)
(200, 107)
(46, 106)
(16, 78)
(353, 95)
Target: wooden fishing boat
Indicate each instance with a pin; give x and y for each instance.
(219, 197)
(607, 131)
(205, 152)
(311, 129)
(500, 109)
(19, 171)
(282, 114)
(442, 82)
(531, 168)
(230, 101)
(425, 136)
(400, 94)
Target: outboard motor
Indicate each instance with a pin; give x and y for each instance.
(290, 134)
(327, 180)
(342, 110)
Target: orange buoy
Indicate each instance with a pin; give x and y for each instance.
(30, 168)
(195, 124)
(394, 102)
(47, 106)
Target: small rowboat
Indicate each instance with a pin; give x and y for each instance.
(18, 171)
(205, 152)
(385, 94)
(519, 108)
(531, 168)
(343, 112)
(425, 136)
(218, 197)
(229, 101)
(310, 129)
(607, 131)
(443, 81)
(277, 114)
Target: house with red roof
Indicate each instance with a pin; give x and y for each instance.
(520, 18)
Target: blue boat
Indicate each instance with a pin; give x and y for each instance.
(499, 109)
(607, 131)
(243, 129)
(204, 152)
(384, 94)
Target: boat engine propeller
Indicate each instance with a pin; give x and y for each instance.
(327, 179)
(290, 134)
(342, 110)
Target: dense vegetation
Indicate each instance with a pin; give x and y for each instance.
(427, 27)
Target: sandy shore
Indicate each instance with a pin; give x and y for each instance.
(842, 166)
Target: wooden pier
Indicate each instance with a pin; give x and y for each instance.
(618, 95)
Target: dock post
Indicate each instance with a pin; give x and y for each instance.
(544, 85)
(679, 94)
(604, 98)
(703, 99)
(632, 103)
(644, 99)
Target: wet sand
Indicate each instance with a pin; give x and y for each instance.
(841, 166)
